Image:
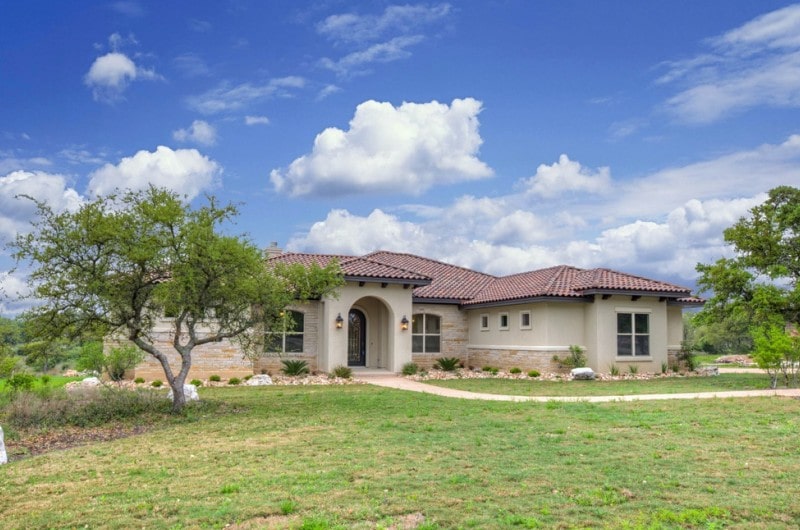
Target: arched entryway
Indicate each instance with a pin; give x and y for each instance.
(356, 338)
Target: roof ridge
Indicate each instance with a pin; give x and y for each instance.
(639, 277)
(382, 264)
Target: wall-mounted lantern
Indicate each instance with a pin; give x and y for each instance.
(404, 324)
(339, 321)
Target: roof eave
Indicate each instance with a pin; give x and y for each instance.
(634, 292)
(379, 279)
(528, 300)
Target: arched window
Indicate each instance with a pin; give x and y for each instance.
(426, 333)
(289, 339)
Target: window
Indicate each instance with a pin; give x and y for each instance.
(426, 333)
(633, 334)
(503, 320)
(525, 320)
(484, 322)
(290, 338)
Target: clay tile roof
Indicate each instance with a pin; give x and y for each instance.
(449, 282)
(607, 279)
(353, 266)
(291, 258)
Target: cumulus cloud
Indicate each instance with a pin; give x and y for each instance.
(12, 289)
(226, 98)
(199, 132)
(659, 225)
(756, 64)
(17, 212)
(416, 144)
(184, 171)
(110, 74)
(567, 176)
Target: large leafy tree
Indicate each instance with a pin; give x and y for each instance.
(758, 288)
(121, 262)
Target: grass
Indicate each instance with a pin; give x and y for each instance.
(56, 381)
(667, 385)
(363, 457)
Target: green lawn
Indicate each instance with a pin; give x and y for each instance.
(666, 385)
(363, 457)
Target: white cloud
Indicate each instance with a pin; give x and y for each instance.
(407, 148)
(756, 64)
(12, 288)
(10, 162)
(184, 171)
(256, 120)
(16, 212)
(567, 176)
(350, 27)
(326, 91)
(200, 132)
(110, 74)
(225, 98)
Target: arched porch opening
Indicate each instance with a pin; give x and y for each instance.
(369, 334)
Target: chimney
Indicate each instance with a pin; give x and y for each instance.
(272, 250)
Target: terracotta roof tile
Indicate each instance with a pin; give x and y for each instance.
(437, 280)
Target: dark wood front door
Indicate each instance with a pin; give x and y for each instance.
(356, 339)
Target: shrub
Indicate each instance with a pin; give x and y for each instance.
(613, 370)
(156, 384)
(447, 364)
(214, 378)
(7, 365)
(294, 367)
(234, 381)
(344, 372)
(45, 380)
(20, 382)
(196, 382)
(515, 370)
(491, 369)
(664, 367)
(410, 369)
(633, 369)
(487, 369)
(687, 357)
(139, 380)
(248, 377)
(534, 373)
(115, 364)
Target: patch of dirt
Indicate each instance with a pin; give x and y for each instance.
(35, 442)
(744, 360)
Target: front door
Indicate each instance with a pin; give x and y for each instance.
(356, 339)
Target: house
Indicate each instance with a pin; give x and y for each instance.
(397, 308)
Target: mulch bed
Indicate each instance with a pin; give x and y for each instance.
(31, 442)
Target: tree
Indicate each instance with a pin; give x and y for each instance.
(760, 285)
(778, 352)
(121, 262)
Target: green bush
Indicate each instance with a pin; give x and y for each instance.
(248, 377)
(294, 367)
(633, 369)
(196, 382)
(410, 369)
(515, 370)
(214, 378)
(234, 381)
(447, 364)
(20, 382)
(664, 367)
(8, 364)
(613, 370)
(687, 357)
(344, 372)
(45, 380)
(139, 380)
(534, 373)
(115, 363)
(156, 384)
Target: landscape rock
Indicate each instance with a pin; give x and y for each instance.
(583, 374)
(189, 392)
(260, 380)
(88, 383)
(708, 370)
(3, 455)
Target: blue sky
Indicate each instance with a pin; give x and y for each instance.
(499, 135)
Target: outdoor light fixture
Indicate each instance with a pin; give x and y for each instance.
(339, 321)
(404, 324)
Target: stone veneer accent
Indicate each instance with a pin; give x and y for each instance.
(454, 333)
(524, 359)
(225, 358)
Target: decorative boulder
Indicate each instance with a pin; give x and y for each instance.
(83, 385)
(582, 374)
(91, 381)
(708, 370)
(260, 380)
(189, 391)
(3, 456)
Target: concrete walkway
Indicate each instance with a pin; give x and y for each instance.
(401, 383)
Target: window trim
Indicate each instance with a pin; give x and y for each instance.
(633, 314)
(500, 317)
(522, 325)
(425, 334)
(484, 322)
(283, 334)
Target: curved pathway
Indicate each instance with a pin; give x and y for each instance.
(401, 383)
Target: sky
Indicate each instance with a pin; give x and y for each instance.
(503, 135)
